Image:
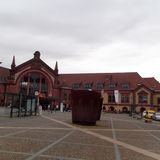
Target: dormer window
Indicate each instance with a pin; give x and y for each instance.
(88, 85)
(125, 85)
(76, 86)
(100, 86)
(112, 85)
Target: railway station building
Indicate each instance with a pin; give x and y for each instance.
(121, 92)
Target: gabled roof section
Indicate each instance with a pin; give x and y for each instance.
(33, 62)
(152, 83)
(4, 73)
(142, 86)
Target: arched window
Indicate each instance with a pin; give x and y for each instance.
(32, 82)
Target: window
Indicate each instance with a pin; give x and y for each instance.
(33, 82)
(111, 98)
(65, 96)
(76, 86)
(125, 85)
(43, 80)
(87, 85)
(143, 98)
(25, 79)
(158, 100)
(125, 99)
(112, 85)
(100, 86)
(37, 80)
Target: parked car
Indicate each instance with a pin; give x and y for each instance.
(156, 116)
(149, 114)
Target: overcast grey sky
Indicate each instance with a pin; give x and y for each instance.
(83, 35)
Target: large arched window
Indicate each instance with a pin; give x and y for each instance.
(32, 82)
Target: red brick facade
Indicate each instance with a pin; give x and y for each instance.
(35, 75)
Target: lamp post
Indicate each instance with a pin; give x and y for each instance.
(37, 104)
(20, 99)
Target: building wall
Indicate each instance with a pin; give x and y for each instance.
(105, 98)
(2, 90)
(155, 101)
(62, 93)
(148, 99)
(120, 106)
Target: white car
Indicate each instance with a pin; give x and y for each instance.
(156, 116)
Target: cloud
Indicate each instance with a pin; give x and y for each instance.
(102, 33)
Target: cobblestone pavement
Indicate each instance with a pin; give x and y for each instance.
(52, 136)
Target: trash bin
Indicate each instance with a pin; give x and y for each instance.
(86, 106)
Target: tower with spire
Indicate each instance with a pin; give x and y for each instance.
(13, 65)
(56, 68)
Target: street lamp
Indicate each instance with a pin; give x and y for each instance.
(37, 104)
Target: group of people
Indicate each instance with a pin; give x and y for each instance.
(51, 108)
(48, 108)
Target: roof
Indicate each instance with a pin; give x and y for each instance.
(131, 78)
(4, 73)
(153, 83)
(36, 60)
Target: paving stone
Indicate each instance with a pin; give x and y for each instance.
(11, 156)
(42, 135)
(40, 132)
(82, 138)
(21, 145)
(139, 139)
(104, 133)
(127, 154)
(82, 151)
(4, 132)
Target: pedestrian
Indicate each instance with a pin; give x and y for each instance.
(51, 108)
(57, 107)
(48, 107)
(54, 108)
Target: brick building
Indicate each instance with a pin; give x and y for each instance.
(120, 91)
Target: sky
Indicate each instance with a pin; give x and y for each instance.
(84, 36)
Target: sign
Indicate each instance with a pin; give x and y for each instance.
(116, 94)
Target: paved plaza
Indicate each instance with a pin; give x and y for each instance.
(52, 136)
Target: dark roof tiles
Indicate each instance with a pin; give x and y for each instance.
(152, 83)
(131, 78)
